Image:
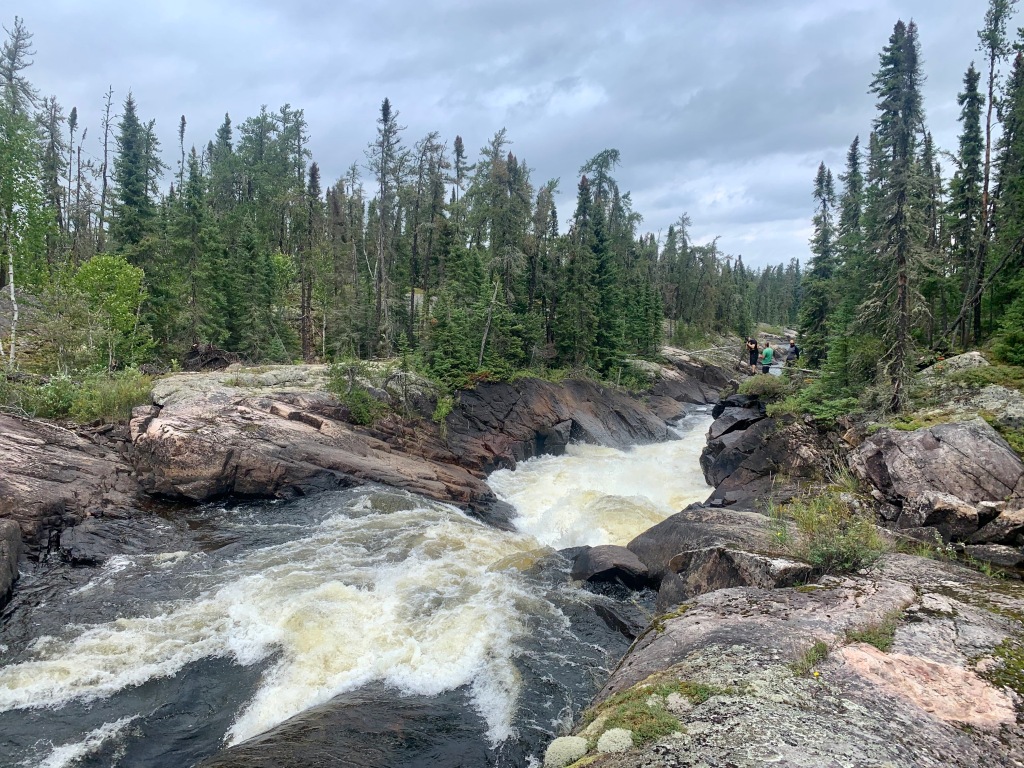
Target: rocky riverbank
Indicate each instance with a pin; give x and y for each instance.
(758, 658)
(277, 432)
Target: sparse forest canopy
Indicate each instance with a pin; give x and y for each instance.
(908, 265)
(116, 251)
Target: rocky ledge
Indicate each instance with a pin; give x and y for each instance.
(278, 432)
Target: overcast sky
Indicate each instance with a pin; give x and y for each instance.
(720, 108)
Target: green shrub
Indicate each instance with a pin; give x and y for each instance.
(363, 408)
(880, 634)
(110, 397)
(810, 658)
(1009, 347)
(832, 535)
(765, 386)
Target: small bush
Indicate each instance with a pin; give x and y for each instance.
(363, 408)
(110, 397)
(767, 387)
(832, 535)
(810, 658)
(1009, 347)
(880, 635)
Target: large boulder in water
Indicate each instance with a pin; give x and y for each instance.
(609, 563)
(699, 527)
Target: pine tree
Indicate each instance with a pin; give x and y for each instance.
(818, 289)
(132, 211)
(895, 237)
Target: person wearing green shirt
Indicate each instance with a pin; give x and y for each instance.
(767, 355)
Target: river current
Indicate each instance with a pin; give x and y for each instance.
(412, 633)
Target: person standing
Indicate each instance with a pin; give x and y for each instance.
(792, 354)
(767, 357)
(752, 353)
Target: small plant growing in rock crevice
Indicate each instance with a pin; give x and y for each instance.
(833, 534)
(880, 634)
(810, 658)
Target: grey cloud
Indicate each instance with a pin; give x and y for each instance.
(737, 97)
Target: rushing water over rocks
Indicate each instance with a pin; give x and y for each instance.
(365, 602)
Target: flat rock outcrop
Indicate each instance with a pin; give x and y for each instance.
(932, 699)
(278, 435)
(52, 478)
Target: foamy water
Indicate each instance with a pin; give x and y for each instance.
(596, 495)
(382, 587)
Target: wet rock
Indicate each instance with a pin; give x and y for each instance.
(95, 540)
(10, 551)
(665, 408)
(968, 460)
(699, 527)
(700, 571)
(733, 419)
(496, 425)
(710, 380)
(735, 401)
(51, 478)
(610, 563)
(364, 728)
(1007, 528)
(954, 519)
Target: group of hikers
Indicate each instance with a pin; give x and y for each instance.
(765, 357)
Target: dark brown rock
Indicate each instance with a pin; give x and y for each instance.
(771, 457)
(996, 554)
(1007, 528)
(52, 478)
(496, 425)
(10, 551)
(733, 419)
(700, 571)
(699, 527)
(609, 563)
(954, 519)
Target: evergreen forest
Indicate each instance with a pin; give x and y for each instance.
(116, 252)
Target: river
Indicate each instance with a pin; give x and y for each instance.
(367, 622)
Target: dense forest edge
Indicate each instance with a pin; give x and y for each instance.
(116, 262)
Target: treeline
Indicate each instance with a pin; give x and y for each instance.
(909, 265)
(239, 243)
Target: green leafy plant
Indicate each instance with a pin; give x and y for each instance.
(110, 397)
(833, 535)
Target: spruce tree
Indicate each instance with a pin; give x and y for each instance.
(818, 289)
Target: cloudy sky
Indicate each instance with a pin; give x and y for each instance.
(720, 108)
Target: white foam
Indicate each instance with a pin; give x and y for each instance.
(69, 754)
(594, 495)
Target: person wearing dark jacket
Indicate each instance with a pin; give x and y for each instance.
(752, 353)
(792, 354)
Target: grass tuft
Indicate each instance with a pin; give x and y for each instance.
(805, 663)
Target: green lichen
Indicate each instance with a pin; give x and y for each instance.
(643, 710)
(1009, 671)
